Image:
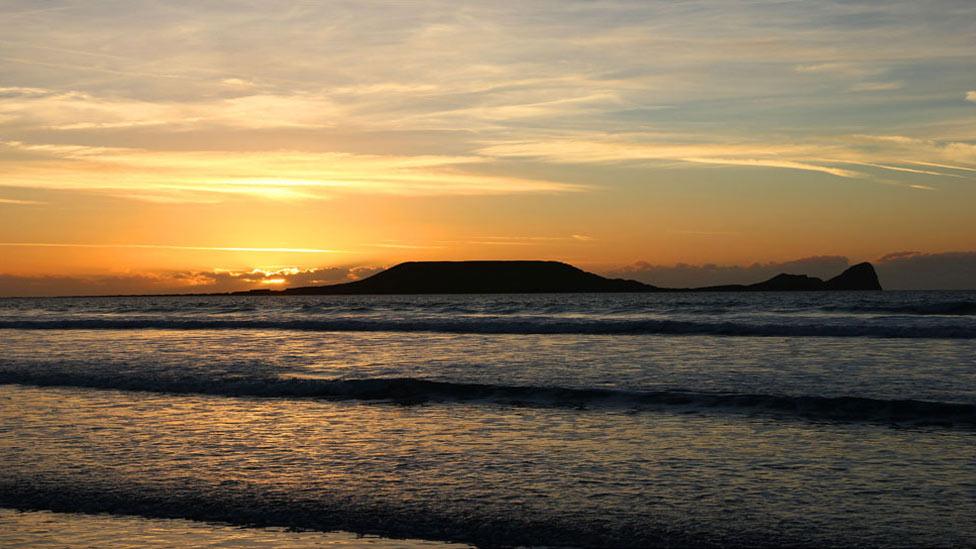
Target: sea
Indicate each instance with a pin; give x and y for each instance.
(560, 420)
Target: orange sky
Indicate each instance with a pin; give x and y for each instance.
(179, 138)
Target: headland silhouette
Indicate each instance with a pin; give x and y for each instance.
(497, 277)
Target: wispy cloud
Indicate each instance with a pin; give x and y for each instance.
(17, 202)
(79, 110)
(406, 246)
(877, 86)
(946, 166)
(754, 154)
(909, 170)
(839, 68)
(833, 156)
(948, 154)
(168, 247)
(774, 163)
(573, 88)
(282, 175)
(403, 120)
(520, 240)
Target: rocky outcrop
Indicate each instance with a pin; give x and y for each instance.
(859, 277)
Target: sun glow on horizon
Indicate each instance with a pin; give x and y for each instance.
(169, 138)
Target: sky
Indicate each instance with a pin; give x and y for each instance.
(195, 146)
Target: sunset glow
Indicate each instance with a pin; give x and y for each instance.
(430, 274)
(177, 138)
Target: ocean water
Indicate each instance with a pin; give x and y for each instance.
(44, 529)
(614, 420)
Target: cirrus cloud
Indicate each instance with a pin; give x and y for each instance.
(284, 175)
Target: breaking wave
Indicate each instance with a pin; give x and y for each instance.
(525, 325)
(240, 504)
(947, 308)
(414, 391)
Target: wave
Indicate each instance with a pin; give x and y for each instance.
(948, 308)
(516, 326)
(475, 522)
(414, 391)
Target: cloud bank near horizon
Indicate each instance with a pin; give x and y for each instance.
(178, 282)
(897, 271)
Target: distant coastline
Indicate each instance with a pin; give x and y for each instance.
(525, 277)
(495, 277)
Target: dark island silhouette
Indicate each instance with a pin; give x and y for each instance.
(860, 277)
(502, 277)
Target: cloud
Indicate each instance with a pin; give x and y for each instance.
(877, 86)
(193, 102)
(774, 163)
(217, 281)
(684, 275)
(238, 83)
(21, 91)
(176, 176)
(576, 151)
(928, 271)
(908, 170)
(80, 110)
(484, 73)
(908, 270)
(835, 157)
(16, 202)
(838, 68)
(167, 247)
(540, 242)
(900, 149)
(897, 139)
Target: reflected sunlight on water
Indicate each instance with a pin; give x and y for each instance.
(452, 469)
(570, 438)
(43, 529)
